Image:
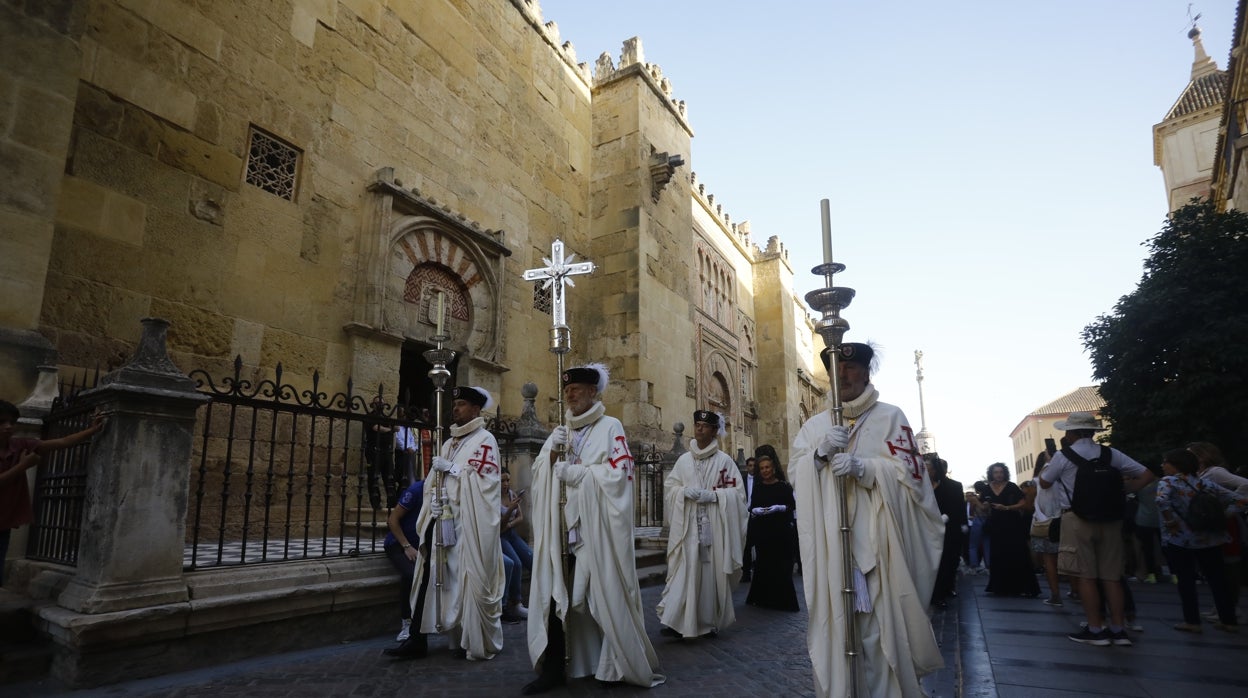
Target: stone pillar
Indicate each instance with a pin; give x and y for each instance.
(530, 437)
(134, 523)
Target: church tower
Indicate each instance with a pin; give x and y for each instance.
(1185, 142)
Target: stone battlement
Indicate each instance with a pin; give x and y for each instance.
(739, 231)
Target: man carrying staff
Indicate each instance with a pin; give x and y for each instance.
(705, 506)
(462, 558)
(896, 535)
(592, 625)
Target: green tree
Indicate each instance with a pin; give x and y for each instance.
(1172, 357)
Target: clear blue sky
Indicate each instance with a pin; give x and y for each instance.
(989, 166)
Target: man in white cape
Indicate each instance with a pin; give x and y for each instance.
(704, 502)
(896, 531)
(593, 625)
(459, 580)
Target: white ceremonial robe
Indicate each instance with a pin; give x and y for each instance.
(470, 602)
(602, 619)
(897, 535)
(701, 578)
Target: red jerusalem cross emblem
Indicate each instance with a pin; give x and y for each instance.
(483, 460)
(908, 452)
(724, 480)
(620, 457)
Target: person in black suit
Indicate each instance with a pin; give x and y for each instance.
(951, 502)
(747, 558)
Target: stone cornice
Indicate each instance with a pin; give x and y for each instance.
(486, 238)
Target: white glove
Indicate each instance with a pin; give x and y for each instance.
(965, 528)
(440, 463)
(559, 437)
(846, 464)
(571, 473)
(436, 508)
(833, 441)
(706, 497)
(693, 494)
(758, 511)
(777, 509)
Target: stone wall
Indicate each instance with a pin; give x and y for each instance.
(39, 59)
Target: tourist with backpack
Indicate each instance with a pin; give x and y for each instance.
(1092, 546)
(1193, 528)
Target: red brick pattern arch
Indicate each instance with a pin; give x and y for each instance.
(422, 288)
(425, 258)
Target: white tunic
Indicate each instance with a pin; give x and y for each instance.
(705, 543)
(897, 535)
(602, 620)
(470, 601)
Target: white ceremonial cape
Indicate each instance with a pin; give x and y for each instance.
(602, 621)
(470, 603)
(700, 582)
(897, 533)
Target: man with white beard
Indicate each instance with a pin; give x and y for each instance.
(589, 621)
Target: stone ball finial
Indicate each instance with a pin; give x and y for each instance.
(1194, 32)
(528, 391)
(678, 428)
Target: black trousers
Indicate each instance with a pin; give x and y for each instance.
(554, 664)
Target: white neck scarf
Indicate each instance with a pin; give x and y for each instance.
(703, 453)
(586, 418)
(458, 431)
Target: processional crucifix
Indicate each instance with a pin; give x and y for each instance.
(556, 273)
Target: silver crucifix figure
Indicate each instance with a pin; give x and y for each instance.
(557, 272)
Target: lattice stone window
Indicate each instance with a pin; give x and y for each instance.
(273, 164)
(542, 298)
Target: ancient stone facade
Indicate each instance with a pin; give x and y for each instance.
(297, 181)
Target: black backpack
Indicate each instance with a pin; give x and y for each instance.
(1099, 494)
(1205, 513)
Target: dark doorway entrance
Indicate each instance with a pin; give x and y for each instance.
(416, 389)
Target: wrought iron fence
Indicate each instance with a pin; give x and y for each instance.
(278, 473)
(283, 474)
(648, 508)
(61, 479)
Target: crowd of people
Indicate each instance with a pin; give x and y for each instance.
(1096, 517)
(880, 530)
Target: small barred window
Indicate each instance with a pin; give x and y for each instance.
(542, 298)
(273, 164)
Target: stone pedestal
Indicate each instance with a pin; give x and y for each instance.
(134, 523)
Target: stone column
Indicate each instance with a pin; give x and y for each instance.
(134, 523)
(530, 437)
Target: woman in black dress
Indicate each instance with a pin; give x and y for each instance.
(771, 534)
(1009, 532)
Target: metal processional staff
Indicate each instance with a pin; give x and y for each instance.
(829, 301)
(556, 273)
(442, 537)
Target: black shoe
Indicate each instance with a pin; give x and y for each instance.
(414, 647)
(542, 684)
(511, 619)
(669, 632)
(459, 653)
(710, 635)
